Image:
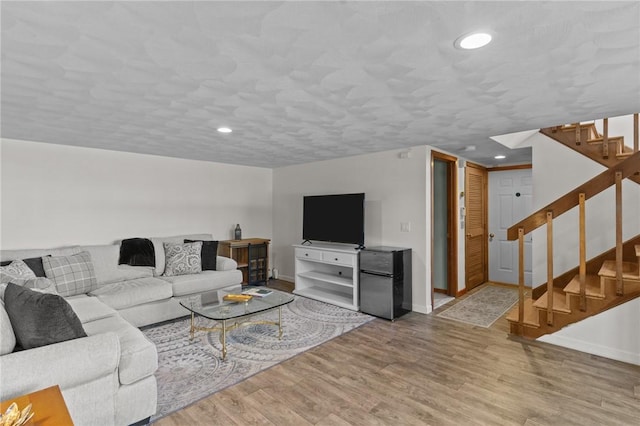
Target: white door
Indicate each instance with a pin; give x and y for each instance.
(510, 196)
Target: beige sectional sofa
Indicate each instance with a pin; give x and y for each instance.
(108, 377)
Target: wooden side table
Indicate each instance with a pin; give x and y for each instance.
(47, 404)
(238, 251)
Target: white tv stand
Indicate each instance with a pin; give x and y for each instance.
(328, 273)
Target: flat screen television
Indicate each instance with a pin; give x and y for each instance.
(335, 218)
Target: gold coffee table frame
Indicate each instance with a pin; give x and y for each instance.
(230, 315)
(223, 328)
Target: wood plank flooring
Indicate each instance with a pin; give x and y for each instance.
(422, 370)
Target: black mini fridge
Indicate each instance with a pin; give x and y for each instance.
(385, 281)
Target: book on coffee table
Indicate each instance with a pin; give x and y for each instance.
(257, 292)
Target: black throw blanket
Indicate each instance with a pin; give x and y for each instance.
(137, 252)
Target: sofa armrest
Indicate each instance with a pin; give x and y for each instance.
(66, 364)
(225, 264)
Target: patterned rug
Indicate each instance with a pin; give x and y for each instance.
(484, 307)
(189, 371)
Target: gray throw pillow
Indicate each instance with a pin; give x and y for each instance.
(72, 274)
(40, 319)
(183, 259)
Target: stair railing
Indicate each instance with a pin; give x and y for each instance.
(577, 197)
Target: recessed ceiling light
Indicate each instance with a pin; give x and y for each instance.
(500, 157)
(472, 41)
(224, 130)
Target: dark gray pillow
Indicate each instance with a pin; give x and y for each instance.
(40, 319)
(208, 254)
(34, 263)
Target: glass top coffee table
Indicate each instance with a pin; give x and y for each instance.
(211, 305)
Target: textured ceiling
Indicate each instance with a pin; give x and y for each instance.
(308, 81)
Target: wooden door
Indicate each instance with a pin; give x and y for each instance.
(510, 197)
(444, 230)
(476, 253)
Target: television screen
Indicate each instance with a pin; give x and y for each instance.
(334, 218)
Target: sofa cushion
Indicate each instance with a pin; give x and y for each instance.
(138, 356)
(40, 319)
(72, 274)
(182, 259)
(41, 284)
(206, 280)
(208, 254)
(105, 264)
(7, 337)
(90, 308)
(17, 271)
(129, 293)
(34, 263)
(178, 239)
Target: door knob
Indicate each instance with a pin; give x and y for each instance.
(469, 235)
(491, 237)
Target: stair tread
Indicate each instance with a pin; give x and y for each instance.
(530, 314)
(629, 270)
(624, 154)
(593, 289)
(600, 139)
(559, 302)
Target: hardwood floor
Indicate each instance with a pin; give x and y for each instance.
(423, 369)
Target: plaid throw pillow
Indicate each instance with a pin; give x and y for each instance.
(72, 274)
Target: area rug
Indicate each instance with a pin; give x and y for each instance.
(484, 307)
(191, 370)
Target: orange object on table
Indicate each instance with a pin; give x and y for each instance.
(48, 407)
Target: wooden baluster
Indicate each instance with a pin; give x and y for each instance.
(550, 268)
(583, 254)
(578, 141)
(619, 289)
(605, 138)
(521, 279)
(635, 132)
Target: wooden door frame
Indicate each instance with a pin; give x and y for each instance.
(485, 220)
(452, 222)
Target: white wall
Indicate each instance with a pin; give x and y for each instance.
(594, 335)
(54, 195)
(395, 191)
(557, 170)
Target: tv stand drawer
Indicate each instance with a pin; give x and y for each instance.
(338, 258)
(308, 254)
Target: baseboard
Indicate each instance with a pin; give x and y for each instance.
(461, 292)
(286, 278)
(590, 348)
(421, 309)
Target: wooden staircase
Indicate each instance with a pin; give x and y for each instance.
(598, 284)
(585, 139)
(600, 295)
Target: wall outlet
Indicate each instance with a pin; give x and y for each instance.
(405, 226)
